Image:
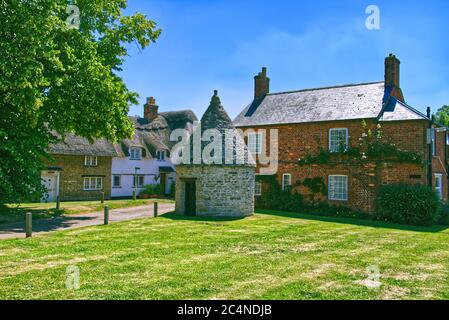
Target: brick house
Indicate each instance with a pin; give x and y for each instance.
(324, 118)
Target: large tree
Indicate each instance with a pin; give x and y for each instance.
(442, 116)
(55, 78)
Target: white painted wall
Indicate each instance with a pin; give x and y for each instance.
(148, 167)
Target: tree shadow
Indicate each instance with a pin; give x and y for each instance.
(175, 216)
(44, 225)
(357, 222)
(17, 213)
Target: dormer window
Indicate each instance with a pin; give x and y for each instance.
(135, 153)
(90, 161)
(160, 155)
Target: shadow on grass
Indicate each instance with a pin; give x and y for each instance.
(17, 213)
(175, 216)
(357, 222)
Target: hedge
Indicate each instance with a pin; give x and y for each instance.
(407, 204)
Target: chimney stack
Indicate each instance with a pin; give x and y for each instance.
(261, 84)
(392, 76)
(150, 109)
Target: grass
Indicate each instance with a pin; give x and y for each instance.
(11, 213)
(270, 255)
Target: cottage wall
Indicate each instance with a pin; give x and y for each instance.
(72, 177)
(220, 190)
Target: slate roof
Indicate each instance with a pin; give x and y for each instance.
(347, 102)
(149, 135)
(395, 110)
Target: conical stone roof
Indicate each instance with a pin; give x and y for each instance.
(216, 124)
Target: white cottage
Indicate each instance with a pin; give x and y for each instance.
(145, 159)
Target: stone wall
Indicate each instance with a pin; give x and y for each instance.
(72, 177)
(220, 190)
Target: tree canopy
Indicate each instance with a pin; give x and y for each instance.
(442, 116)
(56, 79)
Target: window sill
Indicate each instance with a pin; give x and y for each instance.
(117, 187)
(90, 190)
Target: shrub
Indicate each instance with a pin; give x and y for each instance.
(172, 190)
(443, 214)
(151, 189)
(407, 204)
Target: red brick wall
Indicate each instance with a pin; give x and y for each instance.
(297, 140)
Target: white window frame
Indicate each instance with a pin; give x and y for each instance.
(135, 153)
(93, 183)
(439, 187)
(258, 188)
(160, 155)
(330, 138)
(120, 180)
(331, 194)
(90, 161)
(255, 142)
(284, 185)
(137, 177)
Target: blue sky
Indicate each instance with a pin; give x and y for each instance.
(207, 45)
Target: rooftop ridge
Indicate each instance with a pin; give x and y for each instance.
(325, 88)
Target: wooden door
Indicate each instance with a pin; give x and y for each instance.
(190, 197)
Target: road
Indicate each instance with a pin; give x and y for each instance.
(65, 222)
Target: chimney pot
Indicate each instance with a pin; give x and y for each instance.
(392, 76)
(261, 84)
(150, 109)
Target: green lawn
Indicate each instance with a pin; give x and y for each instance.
(267, 256)
(12, 212)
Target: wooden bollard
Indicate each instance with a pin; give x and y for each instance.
(102, 197)
(58, 202)
(106, 215)
(155, 209)
(28, 224)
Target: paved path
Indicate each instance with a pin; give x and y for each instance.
(40, 226)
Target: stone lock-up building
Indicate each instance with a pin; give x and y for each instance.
(221, 182)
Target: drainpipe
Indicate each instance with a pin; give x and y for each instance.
(430, 155)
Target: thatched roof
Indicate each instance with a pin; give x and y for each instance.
(76, 145)
(149, 135)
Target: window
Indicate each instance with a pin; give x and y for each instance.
(258, 188)
(135, 153)
(338, 188)
(90, 161)
(255, 143)
(140, 181)
(439, 185)
(338, 139)
(160, 155)
(116, 181)
(286, 181)
(93, 183)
